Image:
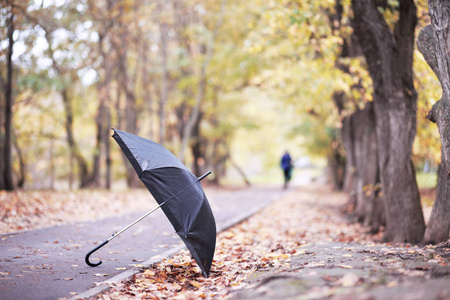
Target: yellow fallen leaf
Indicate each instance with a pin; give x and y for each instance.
(100, 274)
(392, 284)
(196, 284)
(149, 273)
(183, 280)
(120, 269)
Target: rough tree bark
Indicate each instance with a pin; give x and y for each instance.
(369, 207)
(434, 44)
(389, 57)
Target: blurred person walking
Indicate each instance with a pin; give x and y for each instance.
(286, 165)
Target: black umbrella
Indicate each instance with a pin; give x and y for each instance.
(178, 192)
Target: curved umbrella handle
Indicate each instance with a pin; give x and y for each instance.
(86, 259)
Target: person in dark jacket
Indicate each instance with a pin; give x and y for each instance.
(286, 165)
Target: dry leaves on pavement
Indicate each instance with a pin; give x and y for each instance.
(266, 241)
(20, 210)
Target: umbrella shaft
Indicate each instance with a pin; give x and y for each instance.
(119, 232)
(125, 228)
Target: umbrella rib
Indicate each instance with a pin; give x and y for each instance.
(127, 227)
(151, 211)
(138, 220)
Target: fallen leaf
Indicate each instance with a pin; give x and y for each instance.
(195, 284)
(149, 273)
(349, 280)
(344, 266)
(392, 284)
(120, 269)
(101, 274)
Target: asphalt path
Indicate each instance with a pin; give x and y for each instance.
(49, 263)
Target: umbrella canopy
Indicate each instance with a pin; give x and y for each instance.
(171, 183)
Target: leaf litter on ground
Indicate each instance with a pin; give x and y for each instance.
(21, 210)
(272, 241)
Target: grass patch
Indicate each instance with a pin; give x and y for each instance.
(426, 180)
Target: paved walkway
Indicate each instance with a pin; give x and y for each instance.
(49, 263)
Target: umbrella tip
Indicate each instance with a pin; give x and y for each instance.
(204, 175)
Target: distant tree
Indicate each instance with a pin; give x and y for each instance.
(358, 131)
(6, 172)
(389, 54)
(206, 49)
(433, 44)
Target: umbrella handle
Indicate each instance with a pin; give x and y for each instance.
(86, 259)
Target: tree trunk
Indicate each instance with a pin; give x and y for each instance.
(438, 227)
(94, 178)
(107, 143)
(103, 119)
(336, 164)
(7, 176)
(165, 83)
(350, 165)
(22, 166)
(208, 51)
(121, 47)
(240, 171)
(73, 146)
(369, 206)
(146, 86)
(52, 171)
(389, 56)
(220, 154)
(198, 150)
(433, 44)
